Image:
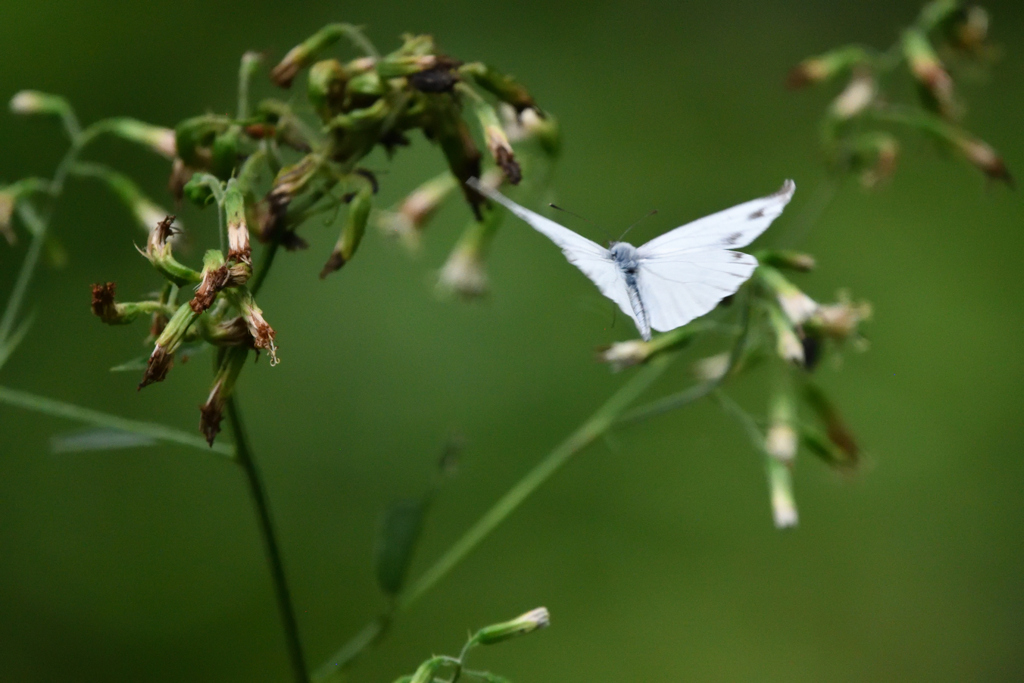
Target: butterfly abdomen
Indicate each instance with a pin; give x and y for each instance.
(628, 262)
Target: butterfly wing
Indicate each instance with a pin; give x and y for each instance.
(685, 272)
(677, 289)
(729, 229)
(594, 260)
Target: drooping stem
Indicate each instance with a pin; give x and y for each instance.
(243, 456)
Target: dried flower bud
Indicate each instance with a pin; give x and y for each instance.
(238, 229)
(876, 153)
(525, 623)
(839, 321)
(109, 311)
(494, 136)
(169, 341)
(262, 333)
(158, 252)
(835, 427)
(215, 278)
(305, 53)
(212, 412)
(985, 158)
(8, 201)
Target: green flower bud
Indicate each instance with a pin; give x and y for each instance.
(30, 102)
(781, 440)
(306, 53)
(169, 341)
(352, 234)
(156, 138)
(628, 353)
(494, 136)
(826, 66)
(525, 623)
(780, 482)
(505, 88)
(327, 81)
(797, 305)
(787, 343)
(425, 672)
(927, 68)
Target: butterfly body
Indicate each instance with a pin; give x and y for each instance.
(674, 278)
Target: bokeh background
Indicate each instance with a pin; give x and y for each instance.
(656, 557)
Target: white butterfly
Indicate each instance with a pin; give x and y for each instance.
(674, 278)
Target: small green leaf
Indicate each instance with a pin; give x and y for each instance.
(396, 542)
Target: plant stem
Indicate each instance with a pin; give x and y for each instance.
(243, 456)
(598, 423)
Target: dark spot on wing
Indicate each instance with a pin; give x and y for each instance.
(733, 238)
(736, 255)
(757, 214)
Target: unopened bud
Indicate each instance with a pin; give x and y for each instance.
(505, 88)
(212, 412)
(425, 672)
(826, 66)
(625, 354)
(327, 81)
(416, 209)
(787, 259)
(29, 102)
(858, 95)
(525, 623)
(781, 439)
(797, 305)
(463, 273)
(7, 203)
(971, 33)
(352, 233)
(780, 482)
(712, 368)
(927, 68)
(158, 139)
(787, 343)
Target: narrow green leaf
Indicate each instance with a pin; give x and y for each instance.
(160, 432)
(396, 542)
(101, 439)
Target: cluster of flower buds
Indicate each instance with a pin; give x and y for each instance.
(268, 170)
(856, 128)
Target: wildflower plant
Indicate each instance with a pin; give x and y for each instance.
(272, 168)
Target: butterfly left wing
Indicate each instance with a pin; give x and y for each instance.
(590, 257)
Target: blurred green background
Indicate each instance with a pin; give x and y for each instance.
(657, 559)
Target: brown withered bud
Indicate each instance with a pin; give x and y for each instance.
(103, 305)
(507, 162)
(442, 77)
(211, 414)
(260, 131)
(985, 158)
(214, 280)
(160, 362)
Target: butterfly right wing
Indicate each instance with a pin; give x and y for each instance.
(594, 260)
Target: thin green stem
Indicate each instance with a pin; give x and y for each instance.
(243, 456)
(49, 406)
(590, 430)
(596, 426)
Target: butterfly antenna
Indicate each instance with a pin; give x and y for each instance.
(587, 220)
(648, 215)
